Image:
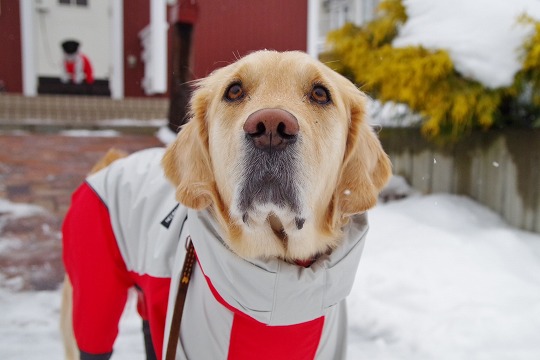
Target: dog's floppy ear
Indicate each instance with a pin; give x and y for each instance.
(366, 167)
(187, 162)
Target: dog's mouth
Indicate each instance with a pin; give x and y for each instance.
(269, 188)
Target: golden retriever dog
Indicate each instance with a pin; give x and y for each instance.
(279, 165)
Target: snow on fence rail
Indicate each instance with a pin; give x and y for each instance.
(499, 169)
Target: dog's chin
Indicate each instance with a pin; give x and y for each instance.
(267, 207)
(271, 224)
(271, 230)
(280, 219)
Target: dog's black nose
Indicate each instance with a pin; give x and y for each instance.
(271, 129)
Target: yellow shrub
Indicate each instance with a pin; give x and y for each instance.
(423, 79)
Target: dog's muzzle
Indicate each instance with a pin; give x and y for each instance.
(270, 180)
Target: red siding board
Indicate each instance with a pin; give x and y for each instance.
(228, 29)
(10, 48)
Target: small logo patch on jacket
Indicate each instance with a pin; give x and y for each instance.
(169, 218)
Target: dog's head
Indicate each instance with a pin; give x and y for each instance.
(278, 148)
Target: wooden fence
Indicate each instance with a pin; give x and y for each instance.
(498, 169)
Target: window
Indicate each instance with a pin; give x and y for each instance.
(74, 2)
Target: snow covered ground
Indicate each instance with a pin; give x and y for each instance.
(441, 278)
(445, 278)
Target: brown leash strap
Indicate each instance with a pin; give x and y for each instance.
(174, 334)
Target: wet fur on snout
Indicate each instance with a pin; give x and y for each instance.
(268, 178)
(294, 203)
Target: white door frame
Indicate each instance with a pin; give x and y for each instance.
(29, 75)
(313, 28)
(29, 66)
(116, 80)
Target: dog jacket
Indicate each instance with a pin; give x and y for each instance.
(78, 69)
(235, 309)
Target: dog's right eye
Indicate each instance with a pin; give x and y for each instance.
(234, 92)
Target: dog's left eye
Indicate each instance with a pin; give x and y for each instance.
(320, 95)
(234, 92)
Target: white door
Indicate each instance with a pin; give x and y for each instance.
(87, 21)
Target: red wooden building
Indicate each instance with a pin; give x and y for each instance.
(221, 32)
